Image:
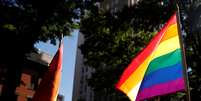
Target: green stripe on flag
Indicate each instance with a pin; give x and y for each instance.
(164, 61)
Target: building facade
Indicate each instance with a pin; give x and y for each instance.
(27, 79)
(81, 90)
(116, 5)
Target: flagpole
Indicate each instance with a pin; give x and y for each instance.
(183, 56)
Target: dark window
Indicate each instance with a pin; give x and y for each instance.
(29, 99)
(34, 82)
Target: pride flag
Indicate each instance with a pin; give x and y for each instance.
(49, 86)
(158, 69)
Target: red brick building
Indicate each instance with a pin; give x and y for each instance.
(26, 78)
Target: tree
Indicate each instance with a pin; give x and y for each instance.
(26, 22)
(112, 39)
(193, 50)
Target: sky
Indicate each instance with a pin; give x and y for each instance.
(69, 56)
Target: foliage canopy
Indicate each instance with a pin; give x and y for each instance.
(26, 22)
(112, 39)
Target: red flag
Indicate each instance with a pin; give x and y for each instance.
(49, 86)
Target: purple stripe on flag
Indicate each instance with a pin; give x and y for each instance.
(161, 89)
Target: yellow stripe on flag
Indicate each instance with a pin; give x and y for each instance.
(133, 92)
(136, 77)
(167, 46)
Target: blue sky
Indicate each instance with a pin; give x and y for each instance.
(69, 56)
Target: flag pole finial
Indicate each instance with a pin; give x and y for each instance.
(61, 39)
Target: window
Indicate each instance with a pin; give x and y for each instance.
(29, 98)
(86, 69)
(82, 69)
(3, 73)
(34, 82)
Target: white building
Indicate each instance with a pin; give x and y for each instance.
(115, 5)
(81, 90)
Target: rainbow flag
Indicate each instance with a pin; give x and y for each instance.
(158, 69)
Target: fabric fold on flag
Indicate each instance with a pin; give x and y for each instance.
(49, 86)
(158, 68)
